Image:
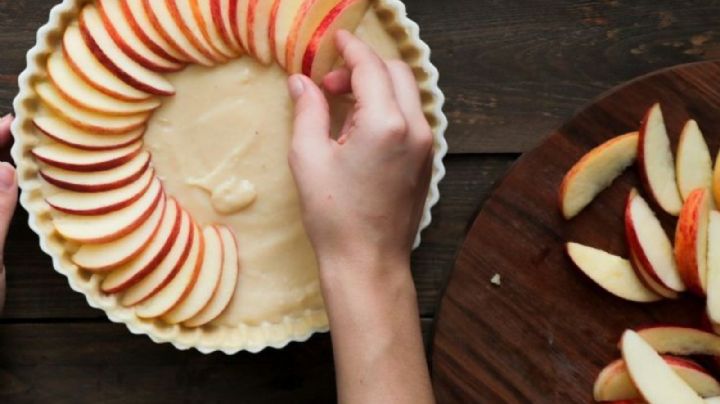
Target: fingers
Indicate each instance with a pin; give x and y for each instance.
(338, 82)
(5, 134)
(407, 94)
(8, 199)
(311, 133)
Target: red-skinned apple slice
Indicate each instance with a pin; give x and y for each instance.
(107, 256)
(80, 93)
(61, 131)
(258, 22)
(163, 21)
(681, 341)
(182, 12)
(282, 17)
(100, 203)
(221, 18)
(612, 273)
(120, 29)
(111, 226)
(97, 181)
(321, 53)
(656, 162)
(105, 49)
(651, 248)
(84, 63)
(180, 286)
(309, 18)
(138, 18)
(713, 264)
(207, 282)
(160, 276)
(227, 284)
(157, 249)
(70, 158)
(202, 10)
(654, 378)
(691, 241)
(716, 181)
(88, 120)
(238, 21)
(614, 382)
(596, 171)
(694, 163)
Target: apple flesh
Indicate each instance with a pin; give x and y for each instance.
(238, 21)
(139, 19)
(691, 241)
(163, 21)
(72, 159)
(182, 13)
(202, 10)
(682, 341)
(713, 270)
(308, 19)
(596, 171)
(258, 23)
(694, 163)
(282, 18)
(220, 10)
(60, 131)
(321, 53)
(97, 181)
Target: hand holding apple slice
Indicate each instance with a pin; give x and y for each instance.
(657, 165)
(653, 377)
(694, 163)
(595, 172)
(691, 241)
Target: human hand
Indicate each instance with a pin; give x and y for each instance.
(8, 199)
(362, 195)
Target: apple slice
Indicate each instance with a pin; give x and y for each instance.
(160, 276)
(614, 382)
(282, 17)
(238, 21)
(175, 291)
(221, 18)
(111, 226)
(309, 19)
(80, 93)
(120, 29)
(713, 271)
(162, 19)
(88, 120)
(84, 63)
(107, 256)
(694, 163)
(682, 341)
(596, 171)
(657, 166)
(112, 57)
(227, 284)
(653, 377)
(207, 280)
(258, 23)
(202, 10)
(612, 273)
(182, 13)
(321, 53)
(155, 251)
(138, 18)
(651, 248)
(97, 181)
(69, 158)
(691, 241)
(100, 203)
(60, 131)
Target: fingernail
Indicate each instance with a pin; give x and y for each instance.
(297, 86)
(7, 177)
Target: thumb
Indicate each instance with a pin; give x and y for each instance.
(8, 199)
(311, 131)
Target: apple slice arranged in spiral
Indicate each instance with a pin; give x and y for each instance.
(282, 18)
(105, 49)
(99, 203)
(207, 282)
(694, 163)
(182, 13)
(691, 240)
(85, 64)
(110, 226)
(202, 10)
(137, 16)
(614, 382)
(61, 131)
(121, 30)
(228, 281)
(157, 278)
(656, 162)
(321, 54)
(97, 181)
(258, 23)
(70, 158)
(238, 21)
(651, 249)
(161, 18)
(80, 93)
(220, 10)
(596, 171)
(152, 254)
(107, 256)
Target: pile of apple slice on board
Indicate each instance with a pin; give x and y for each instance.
(653, 368)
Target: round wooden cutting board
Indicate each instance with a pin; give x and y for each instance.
(545, 332)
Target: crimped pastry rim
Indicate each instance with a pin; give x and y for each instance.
(229, 340)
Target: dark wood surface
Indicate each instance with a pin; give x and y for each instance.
(544, 333)
(512, 70)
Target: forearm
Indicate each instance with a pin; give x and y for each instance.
(375, 328)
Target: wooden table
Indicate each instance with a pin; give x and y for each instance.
(512, 71)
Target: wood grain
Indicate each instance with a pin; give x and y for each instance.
(544, 334)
